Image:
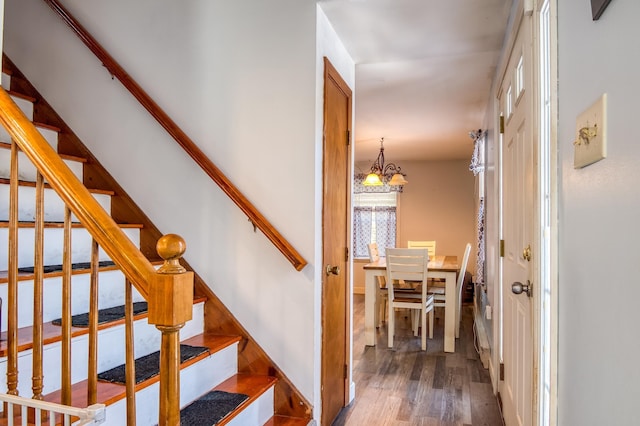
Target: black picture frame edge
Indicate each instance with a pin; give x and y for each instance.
(598, 7)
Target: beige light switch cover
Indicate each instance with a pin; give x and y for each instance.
(590, 144)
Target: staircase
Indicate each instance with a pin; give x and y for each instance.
(216, 369)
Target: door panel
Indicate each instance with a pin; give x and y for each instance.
(335, 220)
(518, 230)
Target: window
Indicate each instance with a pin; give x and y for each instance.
(508, 104)
(519, 77)
(374, 221)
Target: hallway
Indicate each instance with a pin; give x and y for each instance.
(405, 386)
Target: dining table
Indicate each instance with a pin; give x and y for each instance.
(441, 267)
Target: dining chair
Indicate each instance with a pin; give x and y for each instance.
(380, 309)
(439, 293)
(409, 265)
(430, 245)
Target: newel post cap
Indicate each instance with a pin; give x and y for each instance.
(171, 247)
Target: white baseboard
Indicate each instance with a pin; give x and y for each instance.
(483, 341)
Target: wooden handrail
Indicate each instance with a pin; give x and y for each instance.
(95, 219)
(256, 218)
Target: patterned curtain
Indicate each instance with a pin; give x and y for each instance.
(362, 221)
(481, 254)
(359, 187)
(477, 159)
(385, 227)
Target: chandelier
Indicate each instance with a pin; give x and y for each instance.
(387, 172)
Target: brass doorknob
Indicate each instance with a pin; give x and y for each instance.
(335, 270)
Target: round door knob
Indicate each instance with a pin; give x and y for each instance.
(335, 270)
(519, 288)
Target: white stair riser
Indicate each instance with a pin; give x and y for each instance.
(26, 169)
(50, 135)
(110, 293)
(6, 81)
(257, 413)
(146, 339)
(53, 239)
(25, 106)
(53, 205)
(195, 380)
(111, 353)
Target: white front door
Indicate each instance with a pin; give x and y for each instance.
(519, 207)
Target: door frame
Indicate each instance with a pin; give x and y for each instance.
(546, 169)
(331, 74)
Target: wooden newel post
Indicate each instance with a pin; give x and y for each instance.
(170, 307)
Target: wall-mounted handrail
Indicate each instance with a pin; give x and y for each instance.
(100, 225)
(181, 138)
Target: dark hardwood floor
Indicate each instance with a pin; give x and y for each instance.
(406, 386)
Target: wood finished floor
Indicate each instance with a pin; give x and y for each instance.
(406, 386)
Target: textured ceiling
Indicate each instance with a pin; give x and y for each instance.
(423, 72)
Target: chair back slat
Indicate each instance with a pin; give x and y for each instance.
(374, 254)
(430, 245)
(407, 265)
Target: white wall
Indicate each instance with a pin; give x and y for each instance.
(599, 230)
(438, 204)
(241, 79)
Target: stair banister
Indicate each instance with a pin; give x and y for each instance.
(104, 229)
(169, 291)
(256, 218)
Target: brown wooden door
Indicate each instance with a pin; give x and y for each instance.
(335, 232)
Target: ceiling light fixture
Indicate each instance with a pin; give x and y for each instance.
(380, 172)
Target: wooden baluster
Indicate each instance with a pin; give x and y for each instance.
(38, 288)
(170, 307)
(92, 385)
(66, 310)
(130, 367)
(12, 290)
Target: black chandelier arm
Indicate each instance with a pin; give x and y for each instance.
(377, 165)
(379, 168)
(392, 169)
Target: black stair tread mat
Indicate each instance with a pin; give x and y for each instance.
(148, 366)
(211, 408)
(104, 315)
(57, 268)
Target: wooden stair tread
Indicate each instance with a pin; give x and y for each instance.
(5, 224)
(5, 145)
(109, 393)
(53, 333)
(6, 181)
(214, 342)
(286, 421)
(21, 95)
(27, 276)
(248, 384)
(47, 126)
